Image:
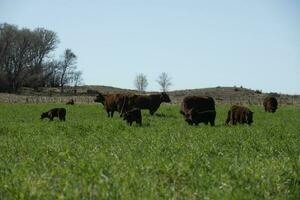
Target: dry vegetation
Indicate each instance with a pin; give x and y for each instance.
(85, 94)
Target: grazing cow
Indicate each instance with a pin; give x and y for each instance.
(70, 102)
(270, 104)
(111, 102)
(199, 103)
(55, 112)
(150, 102)
(133, 115)
(239, 114)
(195, 116)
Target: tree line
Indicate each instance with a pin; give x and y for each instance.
(26, 60)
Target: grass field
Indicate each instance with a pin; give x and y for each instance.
(92, 157)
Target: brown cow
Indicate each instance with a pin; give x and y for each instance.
(70, 102)
(239, 114)
(150, 102)
(133, 115)
(55, 112)
(270, 104)
(199, 103)
(195, 116)
(111, 102)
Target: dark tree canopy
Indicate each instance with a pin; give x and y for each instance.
(25, 59)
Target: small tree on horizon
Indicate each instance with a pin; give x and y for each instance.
(77, 80)
(67, 67)
(164, 81)
(141, 82)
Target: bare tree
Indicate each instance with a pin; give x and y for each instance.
(141, 82)
(51, 73)
(77, 80)
(164, 81)
(67, 67)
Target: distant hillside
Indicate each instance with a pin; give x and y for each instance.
(86, 94)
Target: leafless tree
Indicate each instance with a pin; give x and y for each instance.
(164, 81)
(67, 67)
(51, 73)
(77, 80)
(141, 82)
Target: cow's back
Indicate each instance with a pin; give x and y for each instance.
(270, 104)
(200, 103)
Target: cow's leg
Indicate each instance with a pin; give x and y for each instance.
(154, 109)
(228, 117)
(212, 122)
(112, 113)
(233, 120)
(151, 112)
(189, 121)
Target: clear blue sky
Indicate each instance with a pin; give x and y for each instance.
(253, 43)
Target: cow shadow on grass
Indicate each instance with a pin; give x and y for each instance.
(162, 115)
(209, 126)
(144, 125)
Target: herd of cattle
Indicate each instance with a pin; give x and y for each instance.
(195, 109)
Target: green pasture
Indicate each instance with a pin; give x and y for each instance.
(91, 156)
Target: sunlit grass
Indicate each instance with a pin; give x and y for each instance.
(92, 156)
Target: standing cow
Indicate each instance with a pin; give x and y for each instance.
(150, 102)
(270, 104)
(202, 108)
(239, 114)
(111, 102)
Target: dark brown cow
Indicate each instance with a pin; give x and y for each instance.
(133, 115)
(70, 102)
(239, 114)
(199, 103)
(55, 112)
(270, 104)
(195, 117)
(111, 102)
(150, 102)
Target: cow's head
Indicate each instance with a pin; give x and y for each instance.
(44, 115)
(99, 98)
(189, 116)
(249, 117)
(164, 97)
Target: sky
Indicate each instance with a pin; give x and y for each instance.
(199, 44)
